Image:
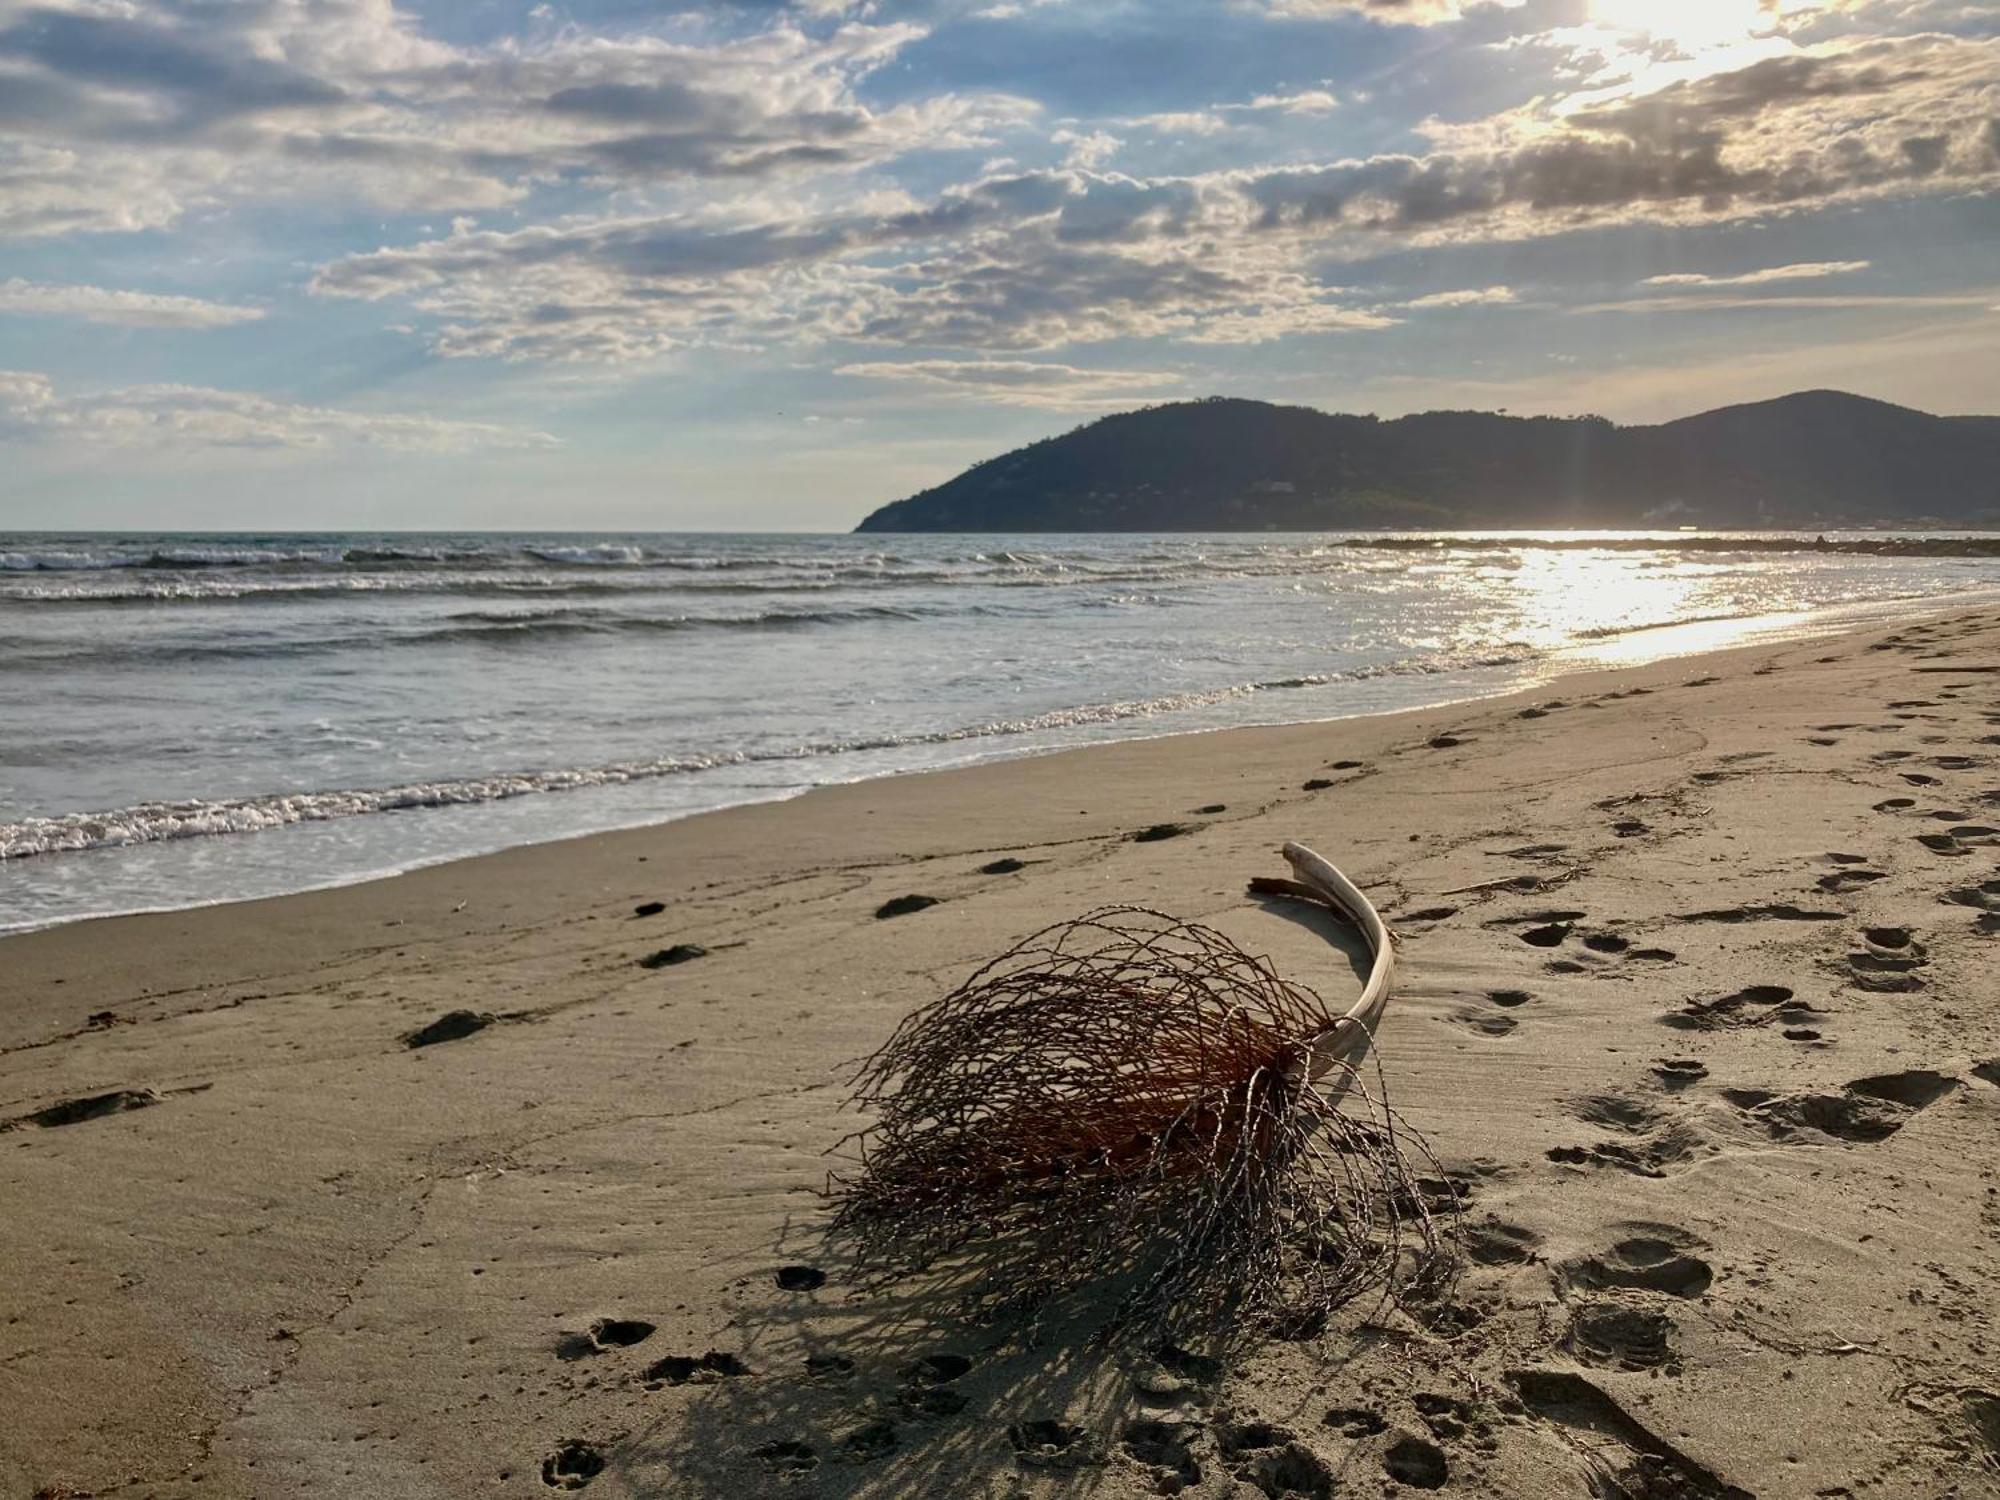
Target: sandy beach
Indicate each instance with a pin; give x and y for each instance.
(1697, 1006)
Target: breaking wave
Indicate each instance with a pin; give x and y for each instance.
(157, 822)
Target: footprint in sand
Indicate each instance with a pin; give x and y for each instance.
(938, 1369)
(1416, 1463)
(1781, 911)
(1650, 1158)
(88, 1107)
(926, 1390)
(1354, 1422)
(1982, 1417)
(1654, 1140)
(868, 1442)
(687, 1369)
(1677, 1073)
(1959, 840)
(1486, 1022)
(1176, 1372)
(1602, 946)
(1839, 882)
(1426, 915)
(449, 1027)
(572, 1466)
(1620, 1337)
(1274, 1461)
(1641, 1463)
(902, 906)
(785, 1458)
(604, 1334)
(1045, 1443)
(1983, 898)
(1452, 1420)
(1550, 928)
(1863, 1112)
(1495, 1242)
(667, 958)
(1646, 1257)
(1617, 1112)
(1888, 961)
(1166, 1448)
(1754, 1005)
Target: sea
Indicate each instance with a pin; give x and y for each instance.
(187, 719)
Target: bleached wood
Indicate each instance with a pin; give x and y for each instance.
(1340, 1046)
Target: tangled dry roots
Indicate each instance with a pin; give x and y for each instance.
(1119, 1107)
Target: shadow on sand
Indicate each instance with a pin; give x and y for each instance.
(903, 1391)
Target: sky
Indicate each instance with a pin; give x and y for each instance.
(484, 264)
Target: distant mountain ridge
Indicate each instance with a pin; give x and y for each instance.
(1815, 458)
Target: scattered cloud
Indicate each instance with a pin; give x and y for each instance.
(1306, 102)
(1484, 296)
(1902, 301)
(119, 118)
(1024, 382)
(791, 184)
(1023, 262)
(181, 416)
(1390, 12)
(1802, 271)
(1040, 260)
(97, 304)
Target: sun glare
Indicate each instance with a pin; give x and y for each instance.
(1690, 23)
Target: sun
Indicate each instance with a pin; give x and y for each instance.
(1690, 23)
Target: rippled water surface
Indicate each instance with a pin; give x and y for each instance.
(198, 718)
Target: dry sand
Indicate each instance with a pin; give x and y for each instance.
(1722, 1092)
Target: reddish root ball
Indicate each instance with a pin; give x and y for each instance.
(1122, 1099)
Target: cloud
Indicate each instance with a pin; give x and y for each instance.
(130, 117)
(1906, 301)
(97, 304)
(1181, 122)
(1023, 382)
(1390, 12)
(1041, 261)
(180, 416)
(1021, 262)
(1305, 102)
(1802, 271)
(1843, 123)
(1049, 259)
(1485, 296)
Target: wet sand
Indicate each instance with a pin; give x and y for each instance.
(1697, 1004)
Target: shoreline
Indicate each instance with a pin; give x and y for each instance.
(1694, 1004)
(1810, 625)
